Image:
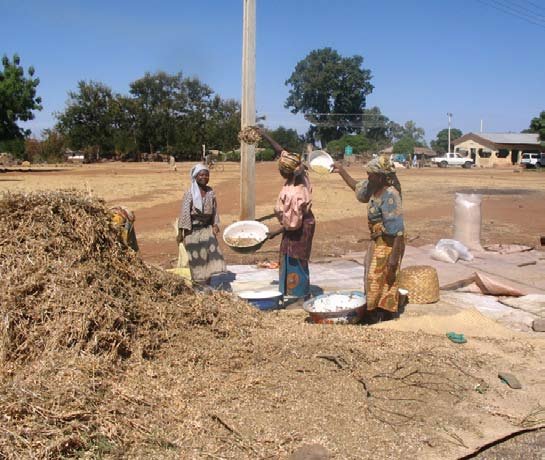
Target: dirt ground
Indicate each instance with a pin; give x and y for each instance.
(512, 213)
(513, 203)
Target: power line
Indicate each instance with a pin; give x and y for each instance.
(522, 9)
(500, 7)
(539, 7)
(534, 8)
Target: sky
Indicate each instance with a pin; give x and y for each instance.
(477, 59)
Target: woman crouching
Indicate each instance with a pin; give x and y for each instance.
(198, 226)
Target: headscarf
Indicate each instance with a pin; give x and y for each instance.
(195, 190)
(380, 165)
(289, 162)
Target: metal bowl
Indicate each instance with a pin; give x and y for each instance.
(264, 300)
(245, 236)
(339, 307)
(320, 162)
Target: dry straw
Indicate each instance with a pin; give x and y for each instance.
(106, 357)
(249, 135)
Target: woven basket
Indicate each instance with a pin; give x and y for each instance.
(422, 283)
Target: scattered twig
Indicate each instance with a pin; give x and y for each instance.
(367, 392)
(458, 440)
(239, 437)
(524, 264)
(332, 358)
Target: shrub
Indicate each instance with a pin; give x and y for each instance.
(232, 156)
(265, 155)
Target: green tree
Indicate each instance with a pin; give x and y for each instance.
(359, 143)
(222, 124)
(17, 98)
(440, 144)
(53, 146)
(287, 138)
(405, 145)
(330, 90)
(411, 131)
(88, 120)
(537, 125)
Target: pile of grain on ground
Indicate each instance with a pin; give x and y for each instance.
(105, 357)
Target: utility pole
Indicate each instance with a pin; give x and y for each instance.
(481, 126)
(247, 151)
(449, 115)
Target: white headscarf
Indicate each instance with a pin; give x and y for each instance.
(195, 190)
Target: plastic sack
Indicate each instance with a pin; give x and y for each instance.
(462, 251)
(450, 251)
(445, 254)
(467, 220)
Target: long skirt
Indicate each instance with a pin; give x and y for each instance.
(294, 279)
(294, 276)
(379, 293)
(204, 254)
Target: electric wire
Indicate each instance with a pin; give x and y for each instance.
(522, 9)
(500, 7)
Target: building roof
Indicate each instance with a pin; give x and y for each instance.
(418, 150)
(511, 138)
(507, 141)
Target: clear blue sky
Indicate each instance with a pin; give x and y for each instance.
(479, 59)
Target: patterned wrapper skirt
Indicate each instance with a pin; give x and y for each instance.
(204, 254)
(379, 293)
(294, 279)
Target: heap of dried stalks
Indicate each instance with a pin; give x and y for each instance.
(250, 135)
(105, 357)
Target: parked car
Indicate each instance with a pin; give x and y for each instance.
(452, 159)
(533, 160)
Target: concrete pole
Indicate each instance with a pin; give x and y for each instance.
(449, 115)
(247, 152)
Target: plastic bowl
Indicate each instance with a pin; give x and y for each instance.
(320, 162)
(264, 300)
(245, 235)
(341, 307)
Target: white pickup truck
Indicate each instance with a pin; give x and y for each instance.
(452, 159)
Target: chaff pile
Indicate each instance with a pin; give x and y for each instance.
(103, 356)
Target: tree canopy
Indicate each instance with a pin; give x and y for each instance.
(537, 125)
(88, 120)
(18, 98)
(287, 138)
(330, 90)
(167, 113)
(359, 143)
(440, 144)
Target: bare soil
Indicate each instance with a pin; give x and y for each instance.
(513, 203)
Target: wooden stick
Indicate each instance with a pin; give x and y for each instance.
(524, 264)
(458, 284)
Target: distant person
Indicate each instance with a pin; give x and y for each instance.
(198, 227)
(415, 161)
(172, 162)
(123, 219)
(294, 212)
(382, 192)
